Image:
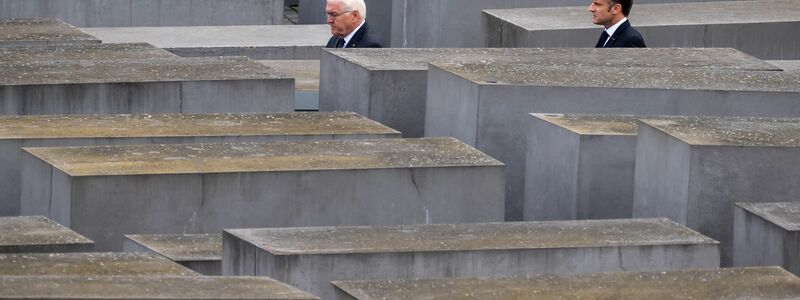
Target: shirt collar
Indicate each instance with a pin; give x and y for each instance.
(612, 29)
(350, 36)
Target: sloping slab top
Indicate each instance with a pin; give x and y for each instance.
(89, 264)
(304, 72)
(731, 131)
(29, 233)
(217, 36)
(92, 52)
(182, 247)
(37, 31)
(784, 214)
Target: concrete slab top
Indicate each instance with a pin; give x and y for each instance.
(418, 58)
(786, 65)
(183, 247)
(263, 157)
(146, 288)
(24, 31)
(93, 52)
(738, 283)
(89, 264)
(631, 78)
(36, 230)
(185, 125)
(731, 131)
(144, 70)
(784, 214)
(593, 124)
(470, 237)
(304, 72)
(666, 14)
(217, 36)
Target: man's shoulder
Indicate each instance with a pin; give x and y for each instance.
(367, 39)
(629, 36)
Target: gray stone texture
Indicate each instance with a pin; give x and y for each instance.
(24, 31)
(50, 53)
(389, 85)
(692, 170)
(765, 29)
(105, 192)
(766, 234)
(35, 234)
(89, 130)
(739, 283)
(257, 42)
(309, 258)
(786, 65)
(178, 85)
(89, 264)
(306, 80)
(113, 13)
(199, 252)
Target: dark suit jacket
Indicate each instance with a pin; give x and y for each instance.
(625, 36)
(362, 39)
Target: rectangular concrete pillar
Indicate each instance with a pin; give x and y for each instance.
(306, 80)
(487, 105)
(52, 53)
(147, 287)
(199, 252)
(89, 130)
(256, 42)
(739, 283)
(34, 234)
(766, 234)
(21, 32)
(389, 85)
(309, 258)
(765, 29)
(89, 264)
(107, 191)
(693, 170)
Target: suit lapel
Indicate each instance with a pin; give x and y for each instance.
(622, 27)
(357, 37)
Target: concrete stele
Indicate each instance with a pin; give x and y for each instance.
(199, 252)
(306, 80)
(765, 29)
(50, 53)
(89, 264)
(200, 188)
(494, 99)
(766, 234)
(717, 284)
(693, 169)
(285, 42)
(35, 234)
(309, 258)
(23, 32)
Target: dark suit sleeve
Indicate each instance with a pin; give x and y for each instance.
(364, 39)
(626, 36)
(332, 42)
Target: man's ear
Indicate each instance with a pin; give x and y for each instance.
(616, 9)
(357, 15)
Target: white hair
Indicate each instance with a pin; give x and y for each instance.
(351, 5)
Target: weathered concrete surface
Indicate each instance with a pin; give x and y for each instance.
(22, 32)
(693, 169)
(34, 234)
(786, 65)
(146, 288)
(766, 234)
(494, 100)
(88, 130)
(309, 258)
(33, 54)
(180, 85)
(765, 29)
(389, 85)
(306, 80)
(739, 283)
(199, 252)
(93, 13)
(201, 188)
(89, 264)
(257, 42)
(379, 17)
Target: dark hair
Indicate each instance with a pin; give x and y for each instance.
(626, 5)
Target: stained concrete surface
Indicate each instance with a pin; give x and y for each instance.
(766, 234)
(33, 54)
(199, 252)
(786, 65)
(89, 264)
(22, 32)
(306, 80)
(32, 234)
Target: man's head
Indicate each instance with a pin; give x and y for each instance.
(345, 15)
(609, 12)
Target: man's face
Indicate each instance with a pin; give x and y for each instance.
(341, 21)
(603, 12)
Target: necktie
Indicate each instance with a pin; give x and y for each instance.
(340, 43)
(602, 41)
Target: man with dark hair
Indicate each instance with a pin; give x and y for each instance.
(613, 15)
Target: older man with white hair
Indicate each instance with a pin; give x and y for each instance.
(347, 19)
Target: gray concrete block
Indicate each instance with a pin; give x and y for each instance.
(309, 258)
(389, 85)
(693, 170)
(487, 105)
(22, 32)
(199, 252)
(306, 80)
(110, 13)
(88, 130)
(48, 53)
(89, 264)
(739, 283)
(786, 65)
(147, 288)
(105, 192)
(379, 17)
(34, 234)
(765, 29)
(766, 234)
(185, 85)
(285, 42)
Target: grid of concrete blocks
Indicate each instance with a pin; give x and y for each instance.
(216, 150)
